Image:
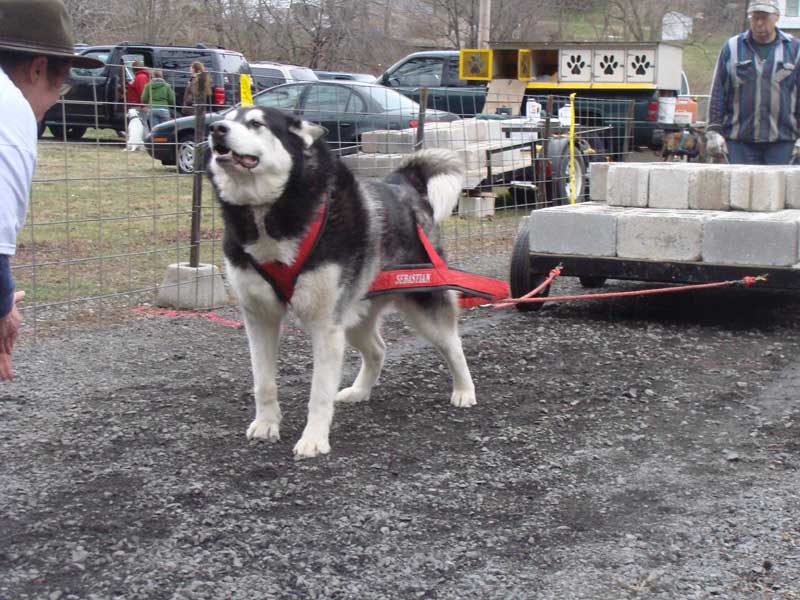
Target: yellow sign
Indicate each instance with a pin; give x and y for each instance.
(475, 64)
(246, 89)
(524, 65)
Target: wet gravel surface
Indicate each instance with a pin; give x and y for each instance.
(619, 449)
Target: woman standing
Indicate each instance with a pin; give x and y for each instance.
(200, 79)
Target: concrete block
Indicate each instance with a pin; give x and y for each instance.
(598, 180)
(768, 239)
(401, 141)
(476, 206)
(670, 187)
(437, 135)
(192, 287)
(792, 194)
(627, 185)
(373, 165)
(768, 191)
(660, 234)
(712, 189)
(741, 186)
(474, 157)
(375, 142)
(576, 229)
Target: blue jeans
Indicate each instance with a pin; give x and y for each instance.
(157, 115)
(765, 153)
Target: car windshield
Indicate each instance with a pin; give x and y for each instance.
(286, 97)
(390, 100)
(303, 74)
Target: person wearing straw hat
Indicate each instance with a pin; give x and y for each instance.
(753, 115)
(36, 53)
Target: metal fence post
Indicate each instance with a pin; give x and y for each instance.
(423, 105)
(198, 91)
(628, 128)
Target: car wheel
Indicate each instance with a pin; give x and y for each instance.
(185, 157)
(73, 133)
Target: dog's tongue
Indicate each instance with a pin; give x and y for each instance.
(246, 160)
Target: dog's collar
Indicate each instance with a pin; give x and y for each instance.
(282, 277)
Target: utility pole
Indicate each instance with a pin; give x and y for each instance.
(484, 23)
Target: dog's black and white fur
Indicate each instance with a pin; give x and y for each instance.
(271, 172)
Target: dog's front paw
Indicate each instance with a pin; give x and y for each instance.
(352, 395)
(310, 446)
(261, 429)
(463, 398)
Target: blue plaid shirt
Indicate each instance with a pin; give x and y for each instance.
(754, 100)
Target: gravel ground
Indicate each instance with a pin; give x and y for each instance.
(619, 449)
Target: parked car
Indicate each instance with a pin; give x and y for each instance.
(97, 95)
(341, 75)
(269, 74)
(346, 109)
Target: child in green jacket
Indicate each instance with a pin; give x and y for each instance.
(159, 97)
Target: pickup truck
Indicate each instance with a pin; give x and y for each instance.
(97, 98)
(438, 70)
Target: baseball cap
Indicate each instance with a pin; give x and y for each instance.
(42, 28)
(767, 6)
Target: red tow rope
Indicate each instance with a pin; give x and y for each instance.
(528, 299)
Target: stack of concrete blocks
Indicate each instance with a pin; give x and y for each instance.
(682, 212)
(384, 150)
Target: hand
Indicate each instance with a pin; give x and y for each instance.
(6, 370)
(796, 150)
(715, 144)
(9, 331)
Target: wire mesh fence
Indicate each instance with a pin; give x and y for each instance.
(106, 223)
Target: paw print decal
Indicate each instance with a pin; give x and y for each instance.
(576, 64)
(609, 64)
(640, 64)
(475, 65)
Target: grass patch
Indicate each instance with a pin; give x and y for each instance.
(104, 222)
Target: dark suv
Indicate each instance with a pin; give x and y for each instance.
(97, 96)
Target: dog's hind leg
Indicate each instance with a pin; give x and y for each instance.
(365, 337)
(263, 335)
(435, 317)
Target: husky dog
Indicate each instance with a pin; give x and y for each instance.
(135, 131)
(272, 173)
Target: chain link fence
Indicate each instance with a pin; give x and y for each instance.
(107, 220)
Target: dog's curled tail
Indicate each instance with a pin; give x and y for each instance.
(442, 174)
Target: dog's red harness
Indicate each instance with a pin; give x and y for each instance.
(435, 275)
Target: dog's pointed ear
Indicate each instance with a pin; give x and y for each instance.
(309, 132)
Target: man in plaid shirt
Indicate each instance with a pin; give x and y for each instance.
(753, 114)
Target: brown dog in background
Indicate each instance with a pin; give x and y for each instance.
(688, 145)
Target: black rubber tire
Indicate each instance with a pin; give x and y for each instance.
(589, 281)
(558, 152)
(520, 279)
(74, 132)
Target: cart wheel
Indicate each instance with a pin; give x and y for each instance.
(589, 281)
(521, 280)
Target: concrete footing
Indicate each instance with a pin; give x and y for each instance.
(192, 287)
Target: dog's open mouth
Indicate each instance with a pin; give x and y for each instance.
(248, 161)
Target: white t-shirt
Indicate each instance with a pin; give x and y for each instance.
(18, 139)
